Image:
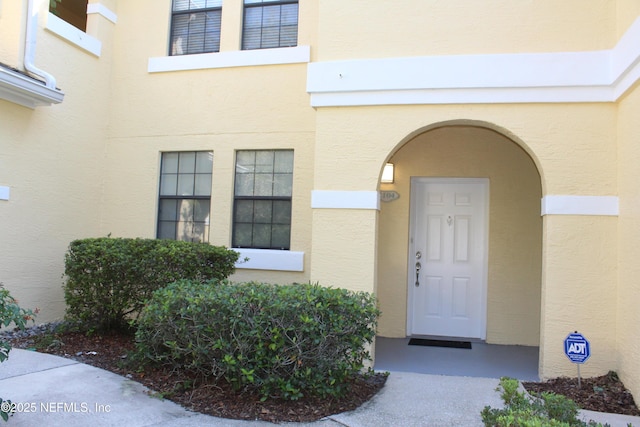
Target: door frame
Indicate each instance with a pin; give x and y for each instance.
(413, 214)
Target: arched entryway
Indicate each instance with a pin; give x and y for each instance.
(471, 162)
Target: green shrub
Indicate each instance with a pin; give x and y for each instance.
(109, 280)
(539, 410)
(10, 314)
(282, 341)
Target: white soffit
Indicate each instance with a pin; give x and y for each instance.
(580, 205)
(598, 76)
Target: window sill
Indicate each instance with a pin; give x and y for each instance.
(26, 91)
(268, 259)
(73, 35)
(4, 192)
(240, 58)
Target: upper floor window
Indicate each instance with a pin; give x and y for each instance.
(269, 24)
(185, 196)
(72, 11)
(262, 199)
(195, 26)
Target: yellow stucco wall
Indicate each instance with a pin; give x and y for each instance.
(52, 159)
(465, 27)
(10, 32)
(366, 136)
(515, 227)
(628, 279)
(626, 12)
(343, 248)
(579, 290)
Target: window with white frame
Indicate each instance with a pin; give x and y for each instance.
(262, 199)
(270, 24)
(72, 11)
(195, 26)
(185, 196)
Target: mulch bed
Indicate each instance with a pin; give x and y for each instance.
(603, 394)
(111, 352)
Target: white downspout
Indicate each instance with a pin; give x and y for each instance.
(30, 47)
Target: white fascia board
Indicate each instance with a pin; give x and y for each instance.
(20, 89)
(102, 10)
(239, 58)
(580, 205)
(596, 76)
(328, 199)
(73, 35)
(269, 259)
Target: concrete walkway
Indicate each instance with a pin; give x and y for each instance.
(54, 391)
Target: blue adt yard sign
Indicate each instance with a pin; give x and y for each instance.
(577, 348)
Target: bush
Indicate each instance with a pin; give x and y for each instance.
(280, 341)
(10, 313)
(109, 280)
(539, 410)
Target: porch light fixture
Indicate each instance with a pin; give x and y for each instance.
(387, 174)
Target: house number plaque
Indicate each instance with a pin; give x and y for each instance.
(389, 196)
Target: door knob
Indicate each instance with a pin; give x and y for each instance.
(418, 267)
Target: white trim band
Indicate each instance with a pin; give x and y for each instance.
(596, 76)
(580, 205)
(268, 259)
(324, 199)
(239, 58)
(103, 11)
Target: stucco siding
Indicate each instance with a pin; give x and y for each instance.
(342, 247)
(579, 291)
(564, 140)
(52, 161)
(463, 27)
(628, 295)
(626, 12)
(10, 32)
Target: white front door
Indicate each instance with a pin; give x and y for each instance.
(448, 257)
